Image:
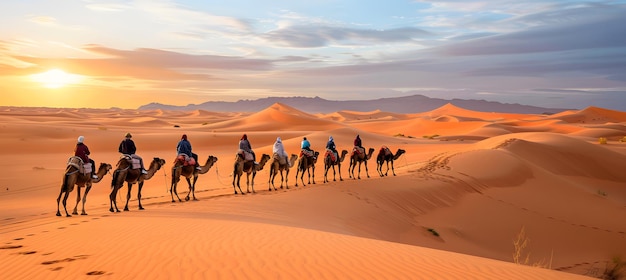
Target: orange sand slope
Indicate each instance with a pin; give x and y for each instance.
(468, 186)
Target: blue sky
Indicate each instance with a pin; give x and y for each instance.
(565, 54)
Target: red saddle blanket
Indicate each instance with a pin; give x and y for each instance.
(185, 160)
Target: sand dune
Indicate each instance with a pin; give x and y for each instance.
(468, 185)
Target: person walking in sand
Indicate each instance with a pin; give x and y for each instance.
(279, 149)
(184, 147)
(127, 147)
(244, 144)
(82, 151)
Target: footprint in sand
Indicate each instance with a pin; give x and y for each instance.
(79, 257)
(10, 247)
(27, 253)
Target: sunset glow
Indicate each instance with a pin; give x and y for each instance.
(55, 78)
(548, 53)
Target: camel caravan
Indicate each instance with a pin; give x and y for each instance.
(81, 173)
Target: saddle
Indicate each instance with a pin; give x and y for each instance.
(307, 153)
(245, 155)
(332, 154)
(77, 162)
(281, 160)
(185, 160)
(358, 151)
(132, 160)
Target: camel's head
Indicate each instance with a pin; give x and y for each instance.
(212, 159)
(158, 162)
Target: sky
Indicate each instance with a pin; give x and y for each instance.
(106, 53)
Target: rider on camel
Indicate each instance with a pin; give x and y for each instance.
(184, 147)
(127, 147)
(82, 151)
(330, 145)
(279, 149)
(244, 144)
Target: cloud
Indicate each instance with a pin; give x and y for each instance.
(583, 33)
(150, 64)
(310, 36)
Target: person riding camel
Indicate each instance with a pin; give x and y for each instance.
(279, 150)
(330, 145)
(305, 144)
(82, 151)
(184, 147)
(244, 144)
(127, 147)
(359, 144)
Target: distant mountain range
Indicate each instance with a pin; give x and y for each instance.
(405, 105)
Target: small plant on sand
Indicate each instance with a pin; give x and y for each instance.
(615, 270)
(602, 193)
(433, 231)
(431, 136)
(623, 139)
(602, 140)
(520, 244)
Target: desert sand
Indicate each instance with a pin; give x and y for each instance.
(469, 185)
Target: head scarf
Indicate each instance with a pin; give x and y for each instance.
(278, 140)
(81, 139)
(244, 137)
(184, 137)
(128, 135)
(330, 138)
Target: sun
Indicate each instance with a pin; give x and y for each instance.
(56, 78)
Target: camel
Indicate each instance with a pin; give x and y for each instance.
(241, 165)
(73, 177)
(359, 158)
(188, 171)
(385, 156)
(124, 173)
(328, 163)
(276, 167)
(307, 164)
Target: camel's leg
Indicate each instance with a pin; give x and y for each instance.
(359, 174)
(190, 189)
(393, 169)
(193, 187)
(174, 191)
(339, 171)
(286, 178)
(325, 180)
(334, 174)
(367, 172)
(252, 182)
(67, 194)
(58, 201)
(87, 189)
(75, 211)
(236, 182)
(139, 187)
(313, 173)
(270, 182)
(351, 169)
(130, 187)
(297, 172)
(112, 198)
